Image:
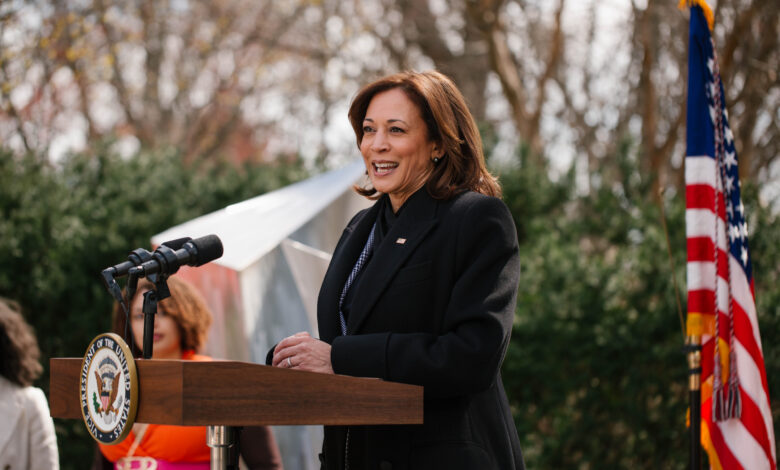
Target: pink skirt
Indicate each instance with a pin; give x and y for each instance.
(149, 463)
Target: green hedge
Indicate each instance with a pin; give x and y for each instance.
(61, 225)
(595, 371)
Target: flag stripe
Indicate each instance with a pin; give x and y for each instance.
(748, 341)
(701, 223)
(699, 196)
(753, 414)
(740, 289)
(700, 169)
(752, 386)
(702, 249)
(743, 446)
(701, 275)
(700, 300)
(726, 457)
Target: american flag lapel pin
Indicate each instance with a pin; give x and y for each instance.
(400, 241)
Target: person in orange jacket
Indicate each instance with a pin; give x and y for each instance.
(180, 329)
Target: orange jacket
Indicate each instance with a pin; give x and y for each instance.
(165, 442)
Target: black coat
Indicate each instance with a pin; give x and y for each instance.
(434, 308)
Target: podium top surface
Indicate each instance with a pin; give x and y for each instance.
(232, 393)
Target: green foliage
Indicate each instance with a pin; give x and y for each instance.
(595, 371)
(61, 225)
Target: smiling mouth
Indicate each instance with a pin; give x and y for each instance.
(383, 168)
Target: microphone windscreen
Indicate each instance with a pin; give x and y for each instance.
(209, 248)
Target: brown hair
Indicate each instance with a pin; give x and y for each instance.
(185, 305)
(19, 353)
(449, 123)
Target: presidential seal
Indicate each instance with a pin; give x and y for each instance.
(108, 389)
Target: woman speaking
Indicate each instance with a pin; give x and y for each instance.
(422, 286)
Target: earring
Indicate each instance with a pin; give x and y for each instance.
(436, 160)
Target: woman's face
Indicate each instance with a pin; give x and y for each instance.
(395, 146)
(167, 338)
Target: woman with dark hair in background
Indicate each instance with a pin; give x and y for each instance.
(422, 286)
(180, 329)
(27, 439)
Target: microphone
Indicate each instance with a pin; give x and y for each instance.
(139, 256)
(166, 260)
(134, 258)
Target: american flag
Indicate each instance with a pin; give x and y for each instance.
(736, 420)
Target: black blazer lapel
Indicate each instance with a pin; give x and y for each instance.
(411, 228)
(342, 262)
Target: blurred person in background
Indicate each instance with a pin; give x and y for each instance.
(27, 439)
(180, 330)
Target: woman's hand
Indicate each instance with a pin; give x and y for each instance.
(302, 352)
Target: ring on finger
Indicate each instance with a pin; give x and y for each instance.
(289, 364)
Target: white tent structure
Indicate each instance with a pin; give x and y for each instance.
(276, 249)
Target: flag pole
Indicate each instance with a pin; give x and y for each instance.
(693, 348)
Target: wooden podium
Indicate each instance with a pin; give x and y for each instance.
(226, 394)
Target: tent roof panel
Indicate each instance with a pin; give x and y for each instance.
(251, 228)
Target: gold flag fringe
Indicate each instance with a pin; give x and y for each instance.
(705, 8)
